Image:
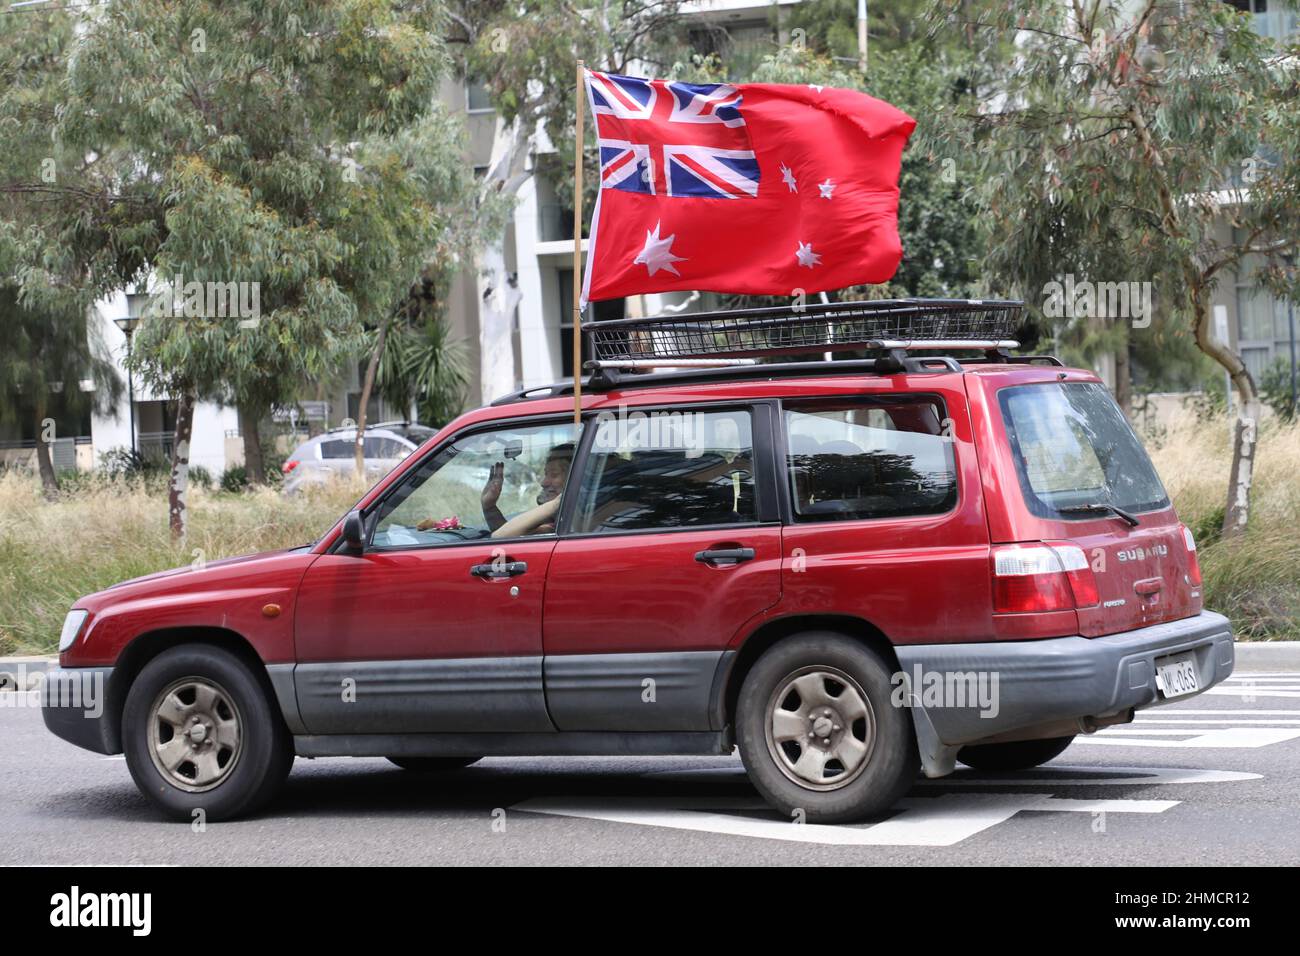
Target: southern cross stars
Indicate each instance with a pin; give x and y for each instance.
(658, 253)
(787, 176)
(806, 256)
(827, 188)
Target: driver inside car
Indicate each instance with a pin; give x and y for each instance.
(538, 520)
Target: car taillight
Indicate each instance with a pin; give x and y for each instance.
(1193, 562)
(288, 466)
(1041, 577)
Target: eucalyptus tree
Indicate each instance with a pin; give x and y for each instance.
(53, 258)
(1147, 142)
(289, 152)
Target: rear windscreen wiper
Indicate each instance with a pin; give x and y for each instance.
(1102, 508)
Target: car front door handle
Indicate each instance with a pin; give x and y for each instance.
(499, 569)
(718, 556)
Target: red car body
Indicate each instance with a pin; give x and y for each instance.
(559, 666)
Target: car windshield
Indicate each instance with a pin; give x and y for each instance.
(1075, 450)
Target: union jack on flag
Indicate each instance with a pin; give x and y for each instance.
(663, 138)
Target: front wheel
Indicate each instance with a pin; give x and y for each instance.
(201, 733)
(1016, 755)
(819, 734)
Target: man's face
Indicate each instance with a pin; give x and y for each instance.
(553, 478)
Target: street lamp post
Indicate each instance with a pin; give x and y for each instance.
(127, 325)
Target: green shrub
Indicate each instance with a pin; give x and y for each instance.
(235, 480)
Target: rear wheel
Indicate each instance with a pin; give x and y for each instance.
(433, 764)
(1017, 755)
(818, 733)
(200, 732)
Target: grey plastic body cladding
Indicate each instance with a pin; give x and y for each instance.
(595, 700)
(1056, 679)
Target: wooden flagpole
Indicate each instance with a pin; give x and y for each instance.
(577, 250)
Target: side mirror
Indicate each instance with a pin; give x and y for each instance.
(513, 448)
(354, 532)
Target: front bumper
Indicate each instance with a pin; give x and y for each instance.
(995, 689)
(74, 703)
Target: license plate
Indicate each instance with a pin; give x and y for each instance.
(1176, 676)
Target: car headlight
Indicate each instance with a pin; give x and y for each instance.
(71, 628)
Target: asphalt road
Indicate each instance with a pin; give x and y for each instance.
(1207, 781)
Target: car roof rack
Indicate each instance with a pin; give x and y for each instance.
(739, 344)
(891, 325)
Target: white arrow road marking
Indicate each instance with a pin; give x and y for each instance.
(933, 821)
(1052, 775)
(925, 821)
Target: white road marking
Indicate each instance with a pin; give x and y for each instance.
(928, 821)
(1051, 775)
(1237, 737)
(943, 820)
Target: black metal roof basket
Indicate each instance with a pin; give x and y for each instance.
(789, 330)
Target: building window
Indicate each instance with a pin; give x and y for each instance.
(477, 99)
(1271, 20)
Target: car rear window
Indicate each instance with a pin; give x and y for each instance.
(1074, 448)
(372, 447)
(869, 458)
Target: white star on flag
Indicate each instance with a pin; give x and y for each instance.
(827, 188)
(816, 87)
(658, 253)
(787, 175)
(806, 256)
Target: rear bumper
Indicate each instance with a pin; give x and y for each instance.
(74, 703)
(996, 689)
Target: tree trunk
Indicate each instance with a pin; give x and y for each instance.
(1236, 512)
(254, 463)
(178, 487)
(372, 367)
(498, 294)
(498, 297)
(44, 464)
(1124, 377)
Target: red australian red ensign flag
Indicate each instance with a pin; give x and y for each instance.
(751, 188)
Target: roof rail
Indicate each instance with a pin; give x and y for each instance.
(889, 324)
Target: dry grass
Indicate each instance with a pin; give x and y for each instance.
(1254, 579)
(107, 531)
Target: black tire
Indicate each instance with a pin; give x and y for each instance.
(433, 764)
(259, 764)
(1017, 755)
(891, 763)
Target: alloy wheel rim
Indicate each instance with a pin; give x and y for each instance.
(195, 734)
(821, 728)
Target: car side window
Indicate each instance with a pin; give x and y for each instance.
(504, 483)
(862, 459)
(668, 470)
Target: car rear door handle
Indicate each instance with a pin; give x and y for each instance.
(499, 569)
(724, 555)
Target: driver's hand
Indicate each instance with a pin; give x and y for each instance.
(492, 490)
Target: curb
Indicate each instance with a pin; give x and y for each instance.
(1266, 656)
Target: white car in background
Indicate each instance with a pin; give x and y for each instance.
(332, 454)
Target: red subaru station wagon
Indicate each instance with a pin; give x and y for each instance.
(851, 570)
